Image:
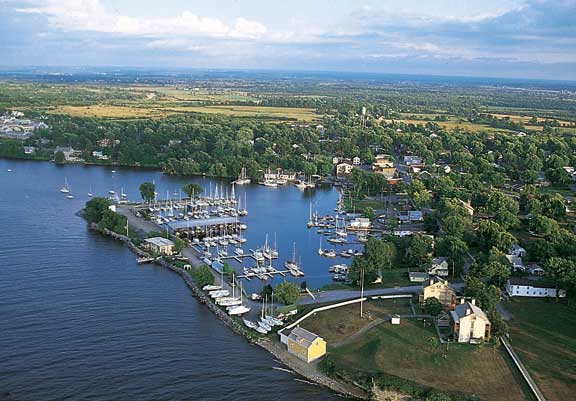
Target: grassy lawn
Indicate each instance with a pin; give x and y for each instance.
(412, 351)
(337, 324)
(543, 333)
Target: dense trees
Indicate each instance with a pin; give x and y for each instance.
(287, 293)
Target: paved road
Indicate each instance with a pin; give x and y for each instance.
(342, 295)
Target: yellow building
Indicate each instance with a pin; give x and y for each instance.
(384, 166)
(470, 324)
(159, 245)
(439, 289)
(305, 345)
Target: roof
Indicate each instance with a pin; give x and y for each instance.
(159, 241)
(515, 260)
(459, 311)
(439, 260)
(418, 274)
(434, 280)
(303, 336)
(526, 282)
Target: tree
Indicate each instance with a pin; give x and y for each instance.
(287, 293)
(419, 250)
(498, 325)
(553, 206)
(433, 306)
(227, 270)
(266, 291)
(148, 191)
(563, 272)
(453, 248)
(113, 221)
(59, 157)
(202, 276)
(95, 209)
(369, 213)
(492, 235)
(192, 189)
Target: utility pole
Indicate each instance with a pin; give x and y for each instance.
(361, 291)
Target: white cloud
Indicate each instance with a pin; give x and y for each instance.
(91, 15)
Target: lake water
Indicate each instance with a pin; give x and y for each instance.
(81, 320)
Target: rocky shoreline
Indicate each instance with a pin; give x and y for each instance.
(308, 371)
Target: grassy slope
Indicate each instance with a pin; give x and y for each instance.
(412, 351)
(544, 335)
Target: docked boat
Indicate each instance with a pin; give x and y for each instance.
(242, 178)
(261, 330)
(238, 310)
(249, 324)
(210, 287)
(239, 251)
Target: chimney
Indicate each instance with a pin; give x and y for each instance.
(468, 311)
(461, 301)
(473, 301)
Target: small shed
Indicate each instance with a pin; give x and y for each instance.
(395, 319)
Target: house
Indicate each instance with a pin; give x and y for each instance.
(409, 216)
(424, 175)
(335, 160)
(344, 169)
(469, 323)
(517, 250)
(70, 154)
(438, 288)
(395, 319)
(384, 166)
(535, 269)
(99, 155)
(356, 161)
(160, 245)
(29, 150)
(516, 262)
(360, 223)
(524, 287)
(439, 267)
(305, 345)
(418, 277)
(410, 160)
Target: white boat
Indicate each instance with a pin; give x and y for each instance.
(210, 287)
(219, 293)
(261, 330)
(242, 178)
(270, 183)
(264, 325)
(330, 253)
(229, 301)
(249, 324)
(66, 188)
(238, 310)
(90, 194)
(255, 297)
(239, 251)
(111, 192)
(9, 170)
(70, 196)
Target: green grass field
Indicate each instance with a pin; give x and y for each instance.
(338, 324)
(413, 352)
(543, 333)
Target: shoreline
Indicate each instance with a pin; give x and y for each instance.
(305, 370)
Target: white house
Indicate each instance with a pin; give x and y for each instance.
(418, 277)
(523, 287)
(517, 250)
(410, 160)
(516, 262)
(356, 161)
(344, 169)
(439, 267)
(470, 324)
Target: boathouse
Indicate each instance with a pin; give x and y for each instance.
(160, 245)
(305, 345)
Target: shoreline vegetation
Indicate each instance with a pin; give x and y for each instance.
(305, 370)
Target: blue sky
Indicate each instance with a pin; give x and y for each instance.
(505, 38)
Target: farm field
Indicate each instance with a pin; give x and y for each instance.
(413, 352)
(543, 333)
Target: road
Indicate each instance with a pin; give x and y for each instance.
(342, 295)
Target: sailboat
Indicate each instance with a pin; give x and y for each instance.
(242, 178)
(292, 264)
(70, 196)
(90, 194)
(66, 188)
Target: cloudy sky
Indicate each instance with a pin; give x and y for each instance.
(507, 38)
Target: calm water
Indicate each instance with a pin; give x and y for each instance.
(80, 320)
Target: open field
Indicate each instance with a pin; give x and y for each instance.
(449, 125)
(412, 351)
(337, 324)
(123, 112)
(543, 333)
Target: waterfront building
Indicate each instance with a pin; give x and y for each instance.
(305, 345)
(160, 245)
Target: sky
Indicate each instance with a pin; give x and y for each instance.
(487, 38)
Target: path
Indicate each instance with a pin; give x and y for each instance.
(523, 371)
(341, 295)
